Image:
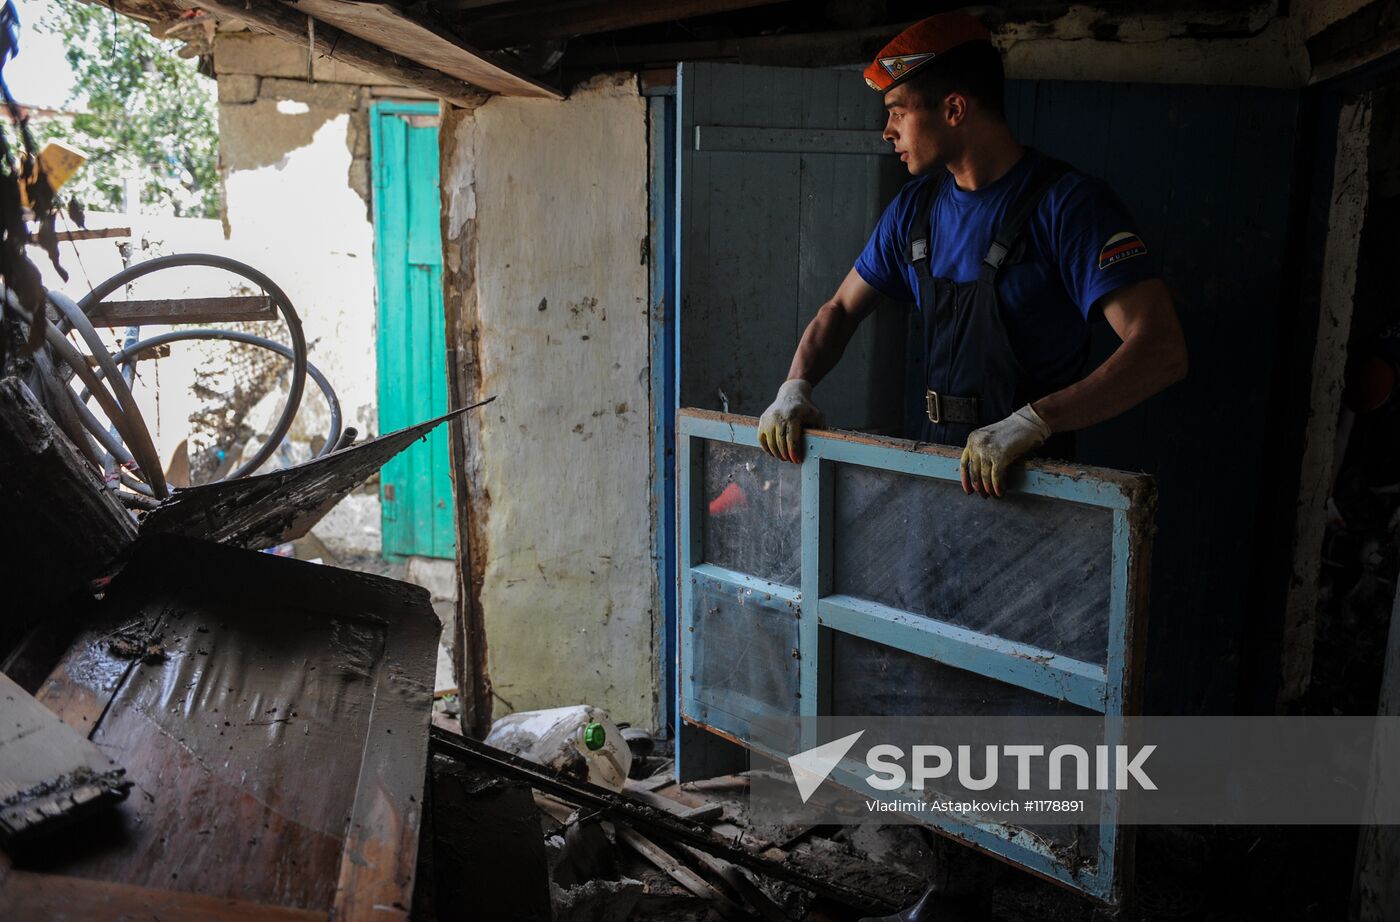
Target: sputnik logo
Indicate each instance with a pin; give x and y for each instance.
(811, 768)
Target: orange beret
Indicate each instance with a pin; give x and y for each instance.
(920, 43)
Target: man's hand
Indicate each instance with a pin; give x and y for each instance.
(992, 449)
(781, 425)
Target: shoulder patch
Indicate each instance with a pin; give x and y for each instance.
(1121, 246)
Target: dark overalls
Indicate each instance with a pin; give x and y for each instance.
(972, 377)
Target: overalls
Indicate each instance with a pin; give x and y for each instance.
(971, 375)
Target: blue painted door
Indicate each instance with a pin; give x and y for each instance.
(416, 486)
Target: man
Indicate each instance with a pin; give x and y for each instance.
(1008, 255)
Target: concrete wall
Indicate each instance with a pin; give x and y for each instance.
(546, 213)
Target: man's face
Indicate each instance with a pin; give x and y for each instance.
(921, 134)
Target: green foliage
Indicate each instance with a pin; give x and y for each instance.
(148, 113)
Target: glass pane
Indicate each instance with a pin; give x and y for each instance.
(751, 509)
(871, 679)
(744, 644)
(1024, 568)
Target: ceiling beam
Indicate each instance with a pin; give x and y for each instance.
(802, 49)
(506, 30)
(330, 42)
(419, 39)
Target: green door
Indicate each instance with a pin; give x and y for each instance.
(416, 487)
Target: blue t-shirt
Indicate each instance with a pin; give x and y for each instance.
(1081, 245)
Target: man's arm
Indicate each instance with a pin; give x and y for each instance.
(826, 337)
(823, 342)
(1152, 356)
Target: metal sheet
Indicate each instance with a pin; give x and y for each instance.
(273, 717)
(268, 509)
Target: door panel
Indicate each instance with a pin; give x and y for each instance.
(416, 486)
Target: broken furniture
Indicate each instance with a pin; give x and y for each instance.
(863, 582)
(272, 716)
(49, 773)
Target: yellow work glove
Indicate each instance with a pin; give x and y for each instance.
(781, 425)
(992, 450)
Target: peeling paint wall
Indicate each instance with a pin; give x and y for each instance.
(553, 195)
(295, 159)
(1231, 46)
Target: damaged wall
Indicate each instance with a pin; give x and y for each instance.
(546, 216)
(1211, 45)
(295, 159)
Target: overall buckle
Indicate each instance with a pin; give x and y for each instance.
(934, 407)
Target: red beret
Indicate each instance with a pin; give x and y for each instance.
(921, 43)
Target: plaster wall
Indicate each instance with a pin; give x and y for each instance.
(556, 194)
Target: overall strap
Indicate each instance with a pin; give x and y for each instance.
(1047, 172)
(919, 231)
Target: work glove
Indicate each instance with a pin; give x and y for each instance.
(992, 450)
(781, 426)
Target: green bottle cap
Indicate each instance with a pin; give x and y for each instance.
(594, 736)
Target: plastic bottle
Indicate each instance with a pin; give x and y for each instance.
(579, 741)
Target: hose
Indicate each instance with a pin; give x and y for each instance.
(132, 354)
(284, 306)
(137, 435)
(128, 442)
(75, 360)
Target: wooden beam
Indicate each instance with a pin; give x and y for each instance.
(94, 233)
(183, 310)
(805, 49)
(421, 40)
(31, 895)
(505, 30)
(332, 43)
(678, 872)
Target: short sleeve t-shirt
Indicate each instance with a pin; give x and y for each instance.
(1081, 245)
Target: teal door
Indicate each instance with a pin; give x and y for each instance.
(415, 488)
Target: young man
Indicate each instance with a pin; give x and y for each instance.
(1008, 256)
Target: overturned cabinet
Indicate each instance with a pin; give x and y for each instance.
(864, 583)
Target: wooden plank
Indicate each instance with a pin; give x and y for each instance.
(804, 49)
(73, 526)
(94, 233)
(421, 40)
(621, 808)
(343, 46)
(678, 872)
(183, 310)
(48, 771)
(508, 29)
(791, 140)
(1026, 666)
(55, 898)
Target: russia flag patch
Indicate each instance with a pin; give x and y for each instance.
(1121, 246)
